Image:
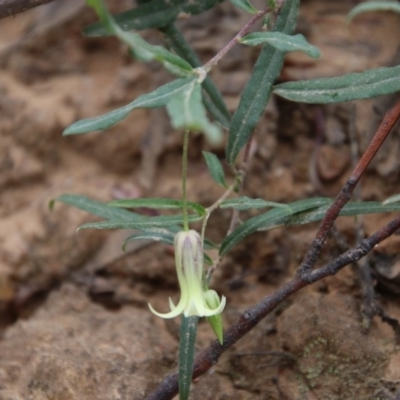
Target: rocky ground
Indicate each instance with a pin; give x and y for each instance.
(74, 320)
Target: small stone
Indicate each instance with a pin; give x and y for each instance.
(332, 162)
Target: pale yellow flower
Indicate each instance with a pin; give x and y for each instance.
(194, 300)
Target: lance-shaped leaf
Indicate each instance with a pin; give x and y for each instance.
(182, 98)
(270, 219)
(153, 14)
(302, 212)
(362, 85)
(187, 112)
(257, 92)
(245, 5)
(215, 168)
(282, 42)
(158, 203)
(187, 347)
(161, 235)
(245, 203)
(96, 208)
(166, 236)
(142, 223)
(369, 6)
(158, 98)
(350, 209)
(114, 214)
(142, 50)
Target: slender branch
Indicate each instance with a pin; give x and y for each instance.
(213, 100)
(305, 276)
(243, 32)
(241, 175)
(13, 7)
(390, 119)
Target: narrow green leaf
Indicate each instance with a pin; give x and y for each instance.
(269, 220)
(153, 14)
(213, 99)
(98, 208)
(370, 6)
(215, 168)
(166, 236)
(187, 111)
(303, 212)
(245, 5)
(157, 234)
(245, 203)
(258, 89)
(282, 42)
(143, 223)
(392, 199)
(350, 209)
(187, 347)
(362, 85)
(158, 203)
(158, 98)
(143, 50)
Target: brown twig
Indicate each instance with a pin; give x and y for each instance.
(344, 195)
(243, 32)
(13, 7)
(305, 276)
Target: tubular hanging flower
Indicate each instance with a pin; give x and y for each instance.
(189, 267)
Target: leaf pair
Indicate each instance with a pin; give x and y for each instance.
(120, 218)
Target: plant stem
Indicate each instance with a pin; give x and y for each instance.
(240, 176)
(184, 179)
(213, 100)
(243, 32)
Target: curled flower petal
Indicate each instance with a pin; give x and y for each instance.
(194, 301)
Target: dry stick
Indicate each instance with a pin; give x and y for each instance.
(13, 7)
(168, 388)
(390, 119)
